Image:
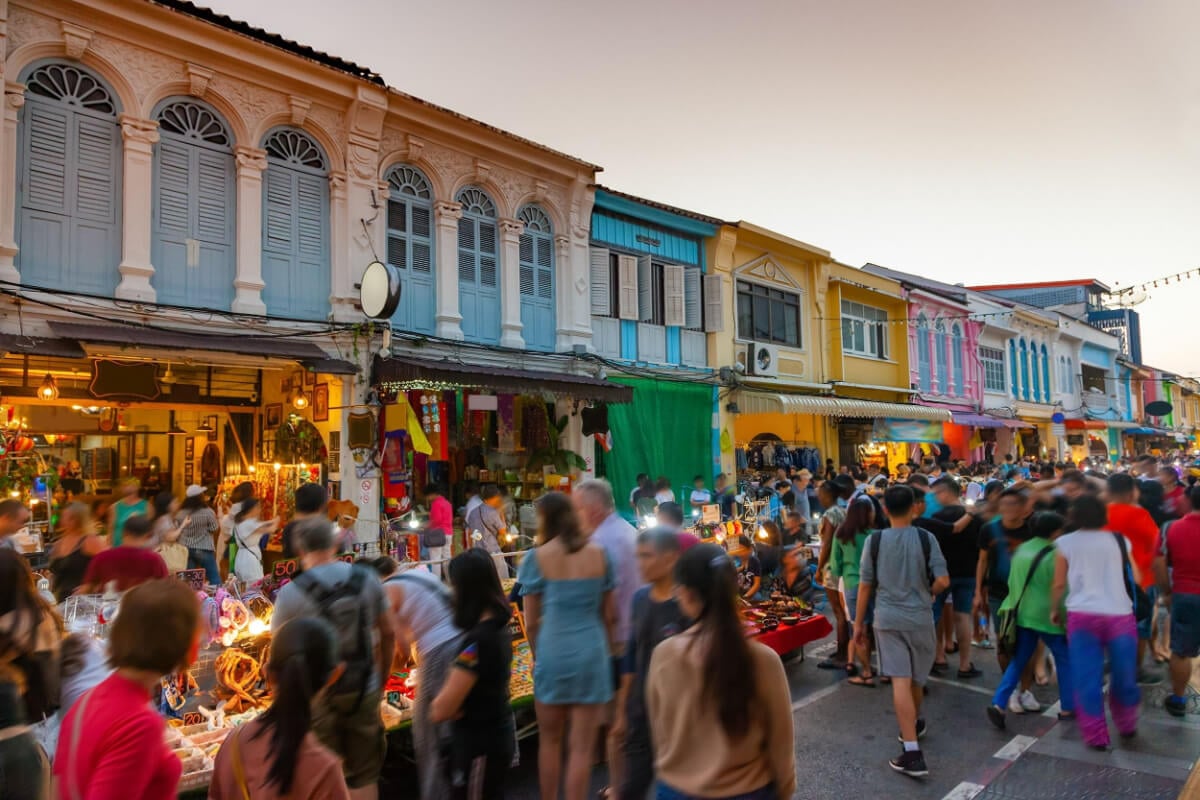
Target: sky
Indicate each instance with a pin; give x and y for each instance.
(973, 142)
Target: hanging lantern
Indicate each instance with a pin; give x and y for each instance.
(22, 444)
(49, 388)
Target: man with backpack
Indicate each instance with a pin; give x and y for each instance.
(903, 569)
(346, 718)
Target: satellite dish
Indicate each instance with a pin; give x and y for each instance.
(379, 290)
(1134, 299)
(1159, 408)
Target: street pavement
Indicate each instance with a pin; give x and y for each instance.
(846, 734)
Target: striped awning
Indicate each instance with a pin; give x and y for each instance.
(764, 403)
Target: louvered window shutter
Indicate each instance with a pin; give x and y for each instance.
(466, 250)
(96, 167)
(279, 191)
(215, 198)
(422, 246)
(526, 248)
(692, 304)
(601, 290)
(627, 277)
(310, 216)
(174, 188)
(714, 315)
(487, 255)
(645, 289)
(397, 216)
(46, 159)
(673, 304)
(545, 268)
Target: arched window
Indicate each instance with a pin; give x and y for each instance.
(478, 267)
(924, 366)
(1035, 371)
(1024, 370)
(537, 279)
(295, 257)
(1045, 375)
(410, 247)
(68, 221)
(957, 344)
(1014, 369)
(940, 343)
(193, 248)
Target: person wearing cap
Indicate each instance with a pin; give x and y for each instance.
(198, 523)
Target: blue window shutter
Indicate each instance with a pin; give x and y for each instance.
(310, 284)
(97, 164)
(279, 197)
(174, 188)
(296, 242)
(46, 158)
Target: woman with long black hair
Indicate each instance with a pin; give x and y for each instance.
(277, 755)
(475, 694)
(848, 543)
(719, 707)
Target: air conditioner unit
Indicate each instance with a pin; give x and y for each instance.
(762, 360)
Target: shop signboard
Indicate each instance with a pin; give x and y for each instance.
(710, 514)
(907, 430)
(194, 578)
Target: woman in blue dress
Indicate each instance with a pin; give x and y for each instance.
(567, 583)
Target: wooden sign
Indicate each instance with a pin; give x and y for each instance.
(710, 514)
(124, 380)
(195, 578)
(516, 626)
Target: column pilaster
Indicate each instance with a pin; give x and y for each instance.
(510, 284)
(14, 99)
(139, 137)
(448, 319)
(248, 283)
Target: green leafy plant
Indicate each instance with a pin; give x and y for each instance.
(562, 459)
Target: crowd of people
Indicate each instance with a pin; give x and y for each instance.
(637, 638)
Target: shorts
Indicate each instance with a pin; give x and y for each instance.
(939, 604)
(354, 731)
(1144, 625)
(851, 596)
(962, 593)
(994, 613)
(906, 654)
(1185, 625)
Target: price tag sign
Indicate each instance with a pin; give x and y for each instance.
(346, 557)
(286, 568)
(710, 514)
(516, 626)
(194, 578)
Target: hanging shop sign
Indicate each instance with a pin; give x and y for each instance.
(1159, 408)
(124, 380)
(379, 290)
(907, 430)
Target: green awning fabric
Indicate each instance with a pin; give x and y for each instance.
(666, 430)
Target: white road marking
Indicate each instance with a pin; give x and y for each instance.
(1053, 710)
(964, 791)
(820, 694)
(970, 687)
(1013, 750)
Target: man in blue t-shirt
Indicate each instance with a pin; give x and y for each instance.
(997, 541)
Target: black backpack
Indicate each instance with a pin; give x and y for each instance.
(341, 606)
(926, 549)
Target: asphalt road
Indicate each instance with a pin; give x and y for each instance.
(846, 734)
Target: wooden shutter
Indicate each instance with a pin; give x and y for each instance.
(601, 290)
(545, 267)
(673, 290)
(693, 309)
(714, 314)
(527, 278)
(174, 188)
(627, 286)
(397, 241)
(214, 202)
(645, 289)
(45, 159)
(466, 251)
(279, 202)
(96, 170)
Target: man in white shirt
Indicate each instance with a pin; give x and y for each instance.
(598, 515)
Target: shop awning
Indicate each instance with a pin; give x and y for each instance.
(762, 403)
(1016, 423)
(976, 420)
(290, 348)
(500, 379)
(1121, 425)
(58, 348)
(1146, 432)
(1084, 425)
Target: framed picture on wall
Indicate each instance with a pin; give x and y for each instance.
(320, 404)
(310, 378)
(189, 449)
(212, 424)
(274, 416)
(141, 446)
(189, 473)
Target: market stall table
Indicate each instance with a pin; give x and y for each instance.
(788, 638)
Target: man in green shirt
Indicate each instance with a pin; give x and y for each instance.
(1030, 580)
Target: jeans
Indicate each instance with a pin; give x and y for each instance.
(1090, 637)
(639, 763)
(207, 561)
(664, 792)
(1027, 640)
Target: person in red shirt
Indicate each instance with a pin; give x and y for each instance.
(130, 563)
(1181, 586)
(112, 743)
(1133, 522)
(1175, 503)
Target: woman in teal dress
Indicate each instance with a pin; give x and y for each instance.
(567, 583)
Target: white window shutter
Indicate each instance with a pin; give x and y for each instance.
(692, 307)
(673, 311)
(601, 289)
(627, 294)
(645, 288)
(714, 314)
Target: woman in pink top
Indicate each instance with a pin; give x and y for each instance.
(111, 745)
(441, 518)
(276, 755)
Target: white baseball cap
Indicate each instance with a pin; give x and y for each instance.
(195, 490)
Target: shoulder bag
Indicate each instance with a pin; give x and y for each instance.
(1006, 619)
(1142, 606)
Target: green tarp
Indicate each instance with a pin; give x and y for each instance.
(666, 430)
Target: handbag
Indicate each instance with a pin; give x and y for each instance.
(1006, 619)
(433, 537)
(1143, 608)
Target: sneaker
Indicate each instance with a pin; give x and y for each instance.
(996, 716)
(1149, 677)
(910, 763)
(1175, 706)
(1014, 704)
(921, 729)
(1029, 702)
(986, 644)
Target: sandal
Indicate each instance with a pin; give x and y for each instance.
(951, 650)
(865, 681)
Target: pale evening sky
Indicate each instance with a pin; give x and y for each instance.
(973, 142)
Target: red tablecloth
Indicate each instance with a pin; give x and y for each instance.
(787, 638)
